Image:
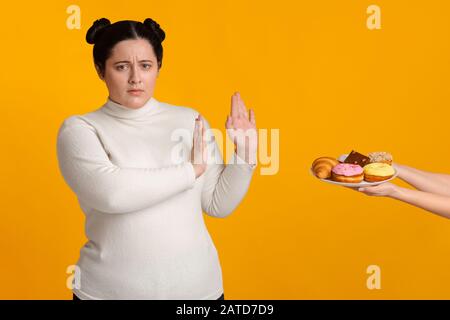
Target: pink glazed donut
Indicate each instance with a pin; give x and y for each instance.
(347, 172)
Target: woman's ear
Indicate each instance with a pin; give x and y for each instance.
(99, 72)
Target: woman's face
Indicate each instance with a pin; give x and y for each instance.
(131, 66)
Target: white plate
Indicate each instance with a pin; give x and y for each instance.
(355, 185)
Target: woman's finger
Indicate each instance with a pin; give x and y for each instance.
(252, 117)
(195, 129)
(242, 109)
(203, 134)
(194, 157)
(228, 123)
(200, 131)
(368, 190)
(234, 106)
(204, 146)
(202, 121)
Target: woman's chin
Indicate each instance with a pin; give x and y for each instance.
(135, 102)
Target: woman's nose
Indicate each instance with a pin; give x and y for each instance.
(134, 76)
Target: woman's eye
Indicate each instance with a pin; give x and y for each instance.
(121, 67)
(146, 66)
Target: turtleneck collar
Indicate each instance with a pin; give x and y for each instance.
(120, 111)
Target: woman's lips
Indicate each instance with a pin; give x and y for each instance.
(135, 92)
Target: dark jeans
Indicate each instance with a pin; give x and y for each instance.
(222, 297)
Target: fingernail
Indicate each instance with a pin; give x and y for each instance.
(361, 189)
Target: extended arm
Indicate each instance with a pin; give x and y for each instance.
(437, 183)
(435, 203)
(226, 185)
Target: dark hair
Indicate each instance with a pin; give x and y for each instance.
(104, 36)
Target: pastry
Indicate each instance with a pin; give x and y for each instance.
(380, 157)
(347, 172)
(376, 171)
(357, 158)
(322, 167)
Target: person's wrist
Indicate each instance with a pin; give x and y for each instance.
(248, 157)
(395, 191)
(399, 168)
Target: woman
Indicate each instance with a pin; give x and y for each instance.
(146, 235)
(432, 194)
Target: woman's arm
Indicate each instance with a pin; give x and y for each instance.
(436, 183)
(106, 187)
(224, 188)
(435, 203)
(226, 185)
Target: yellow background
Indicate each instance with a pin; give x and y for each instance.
(311, 69)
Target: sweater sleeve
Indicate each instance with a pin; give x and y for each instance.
(106, 187)
(225, 184)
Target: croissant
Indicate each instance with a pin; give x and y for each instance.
(322, 167)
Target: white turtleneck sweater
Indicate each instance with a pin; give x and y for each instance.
(146, 234)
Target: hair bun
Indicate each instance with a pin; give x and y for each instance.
(153, 25)
(96, 29)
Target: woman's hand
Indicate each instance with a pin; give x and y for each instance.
(382, 190)
(434, 203)
(199, 151)
(241, 128)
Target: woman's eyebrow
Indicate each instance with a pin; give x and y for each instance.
(126, 61)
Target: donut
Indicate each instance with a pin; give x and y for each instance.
(380, 157)
(347, 172)
(322, 167)
(378, 171)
